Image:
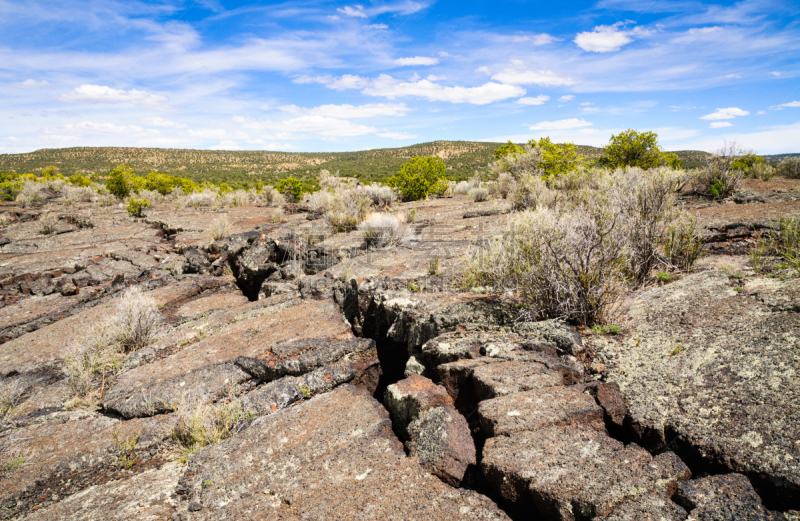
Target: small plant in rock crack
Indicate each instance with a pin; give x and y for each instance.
(199, 424)
(433, 267)
(609, 329)
(125, 446)
(678, 349)
(13, 463)
(136, 206)
(665, 277)
(738, 275)
(305, 390)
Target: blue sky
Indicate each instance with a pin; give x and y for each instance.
(335, 76)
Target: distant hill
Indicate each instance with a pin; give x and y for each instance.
(463, 158)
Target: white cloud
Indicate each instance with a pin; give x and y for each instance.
(95, 128)
(370, 110)
(161, 122)
(538, 100)
(775, 73)
(604, 38)
(728, 113)
(568, 97)
(586, 103)
(356, 11)
(484, 69)
(720, 124)
(377, 26)
(226, 145)
(562, 124)
(389, 87)
(416, 60)
(30, 84)
(101, 94)
(444, 54)
(761, 112)
(536, 39)
(792, 104)
(518, 74)
(347, 81)
(396, 135)
(208, 133)
(322, 125)
(733, 76)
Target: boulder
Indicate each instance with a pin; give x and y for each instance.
(575, 471)
(407, 399)
(440, 437)
(539, 409)
(723, 497)
(332, 457)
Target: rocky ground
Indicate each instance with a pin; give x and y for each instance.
(371, 389)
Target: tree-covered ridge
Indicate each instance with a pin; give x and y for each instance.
(463, 159)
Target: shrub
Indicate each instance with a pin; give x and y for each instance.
(320, 202)
(135, 206)
(531, 192)
(503, 185)
(30, 194)
(381, 229)
(411, 215)
(381, 196)
(665, 276)
(719, 179)
(418, 176)
(783, 242)
(78, 194)
(479, 194)
(269, 195)
(119, 183)
(48, 223)
(762, 171)
(94, 356)
(79, 180)
(640, 149)
(462, 188)
(104, 200)
(645, 201)
(747, 161)
(293, 189)
(561, 263)
(220, 228)
(204, 199)
(789, 168)
(347, 208)
(518, 166)
(509, 149)
(137, 320)
(682, 244)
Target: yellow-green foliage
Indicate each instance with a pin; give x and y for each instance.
(558, 158)
(135, 207)
(632, 148)
(79, 180)
(201, 424)
(165, 183)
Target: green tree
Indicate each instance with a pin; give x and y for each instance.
(747, 161)
(632, 148)
(558, 158)
(418, 177)
(508, 149)
(293, 189)
(118, 182)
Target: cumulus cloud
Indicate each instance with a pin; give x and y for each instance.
(30, 84)
(88, 93)
(377, 26)
(733, 76)
(562, 124)
(728, 113)
(775, 73)
(720, 124)
(519, 74)
(604, 38)
(416, 60)
(538, 100)
(370, 110)
(568, 97)
(792, 104)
